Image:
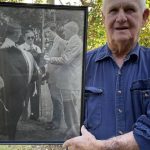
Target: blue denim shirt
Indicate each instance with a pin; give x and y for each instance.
(117, 100)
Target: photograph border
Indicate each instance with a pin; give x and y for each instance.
(56, 7)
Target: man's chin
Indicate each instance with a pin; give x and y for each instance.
(122, 37)
(121, 43)
(122, 40)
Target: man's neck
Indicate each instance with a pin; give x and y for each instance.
(119, 52)
(119, 60)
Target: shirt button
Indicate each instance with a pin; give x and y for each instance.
(120, 110)
(146, 95)
(120, 132)
(119, 91)
(119, 72)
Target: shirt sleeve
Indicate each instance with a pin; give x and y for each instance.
(38, 49)
(142, 130)
(73, 49)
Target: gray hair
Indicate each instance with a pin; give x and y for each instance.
(142, 4)
(72, 26)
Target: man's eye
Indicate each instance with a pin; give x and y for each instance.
(129, 10)
(113, 10)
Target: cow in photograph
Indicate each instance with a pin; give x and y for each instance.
(16, 69)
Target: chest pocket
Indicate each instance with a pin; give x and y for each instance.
(140, 92)
(93, 107)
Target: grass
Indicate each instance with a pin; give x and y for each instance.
(31, 147)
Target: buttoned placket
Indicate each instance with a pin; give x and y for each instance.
(119, 103)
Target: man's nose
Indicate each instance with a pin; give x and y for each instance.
(121, 16)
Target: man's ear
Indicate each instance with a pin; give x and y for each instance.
(146, 14)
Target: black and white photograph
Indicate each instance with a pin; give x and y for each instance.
(41, 72)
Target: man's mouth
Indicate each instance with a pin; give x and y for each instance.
(121, 28)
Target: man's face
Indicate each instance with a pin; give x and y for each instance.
(48, 33)
(123, 20)
(17, 34)
(67, 33)
(29, 38)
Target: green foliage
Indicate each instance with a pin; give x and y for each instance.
(96, 32)
(145, 36)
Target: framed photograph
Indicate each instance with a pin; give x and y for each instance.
(42, 51)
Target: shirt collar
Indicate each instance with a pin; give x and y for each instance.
(28, 47)
(104, 52)
(134, 53)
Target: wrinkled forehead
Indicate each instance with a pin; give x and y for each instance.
(107, 4)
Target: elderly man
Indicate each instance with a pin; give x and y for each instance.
(68, 79)
(117, 115)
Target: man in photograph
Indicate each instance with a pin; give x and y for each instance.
(34, 87)
(55, 51)
(69, 76)
(13, 34)
(14, 70)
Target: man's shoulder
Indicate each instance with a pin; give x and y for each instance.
(61, 42)
(74, 39)
(94, 52)
(145, 49)
(10, 51)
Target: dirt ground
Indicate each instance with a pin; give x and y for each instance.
(34, 131)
